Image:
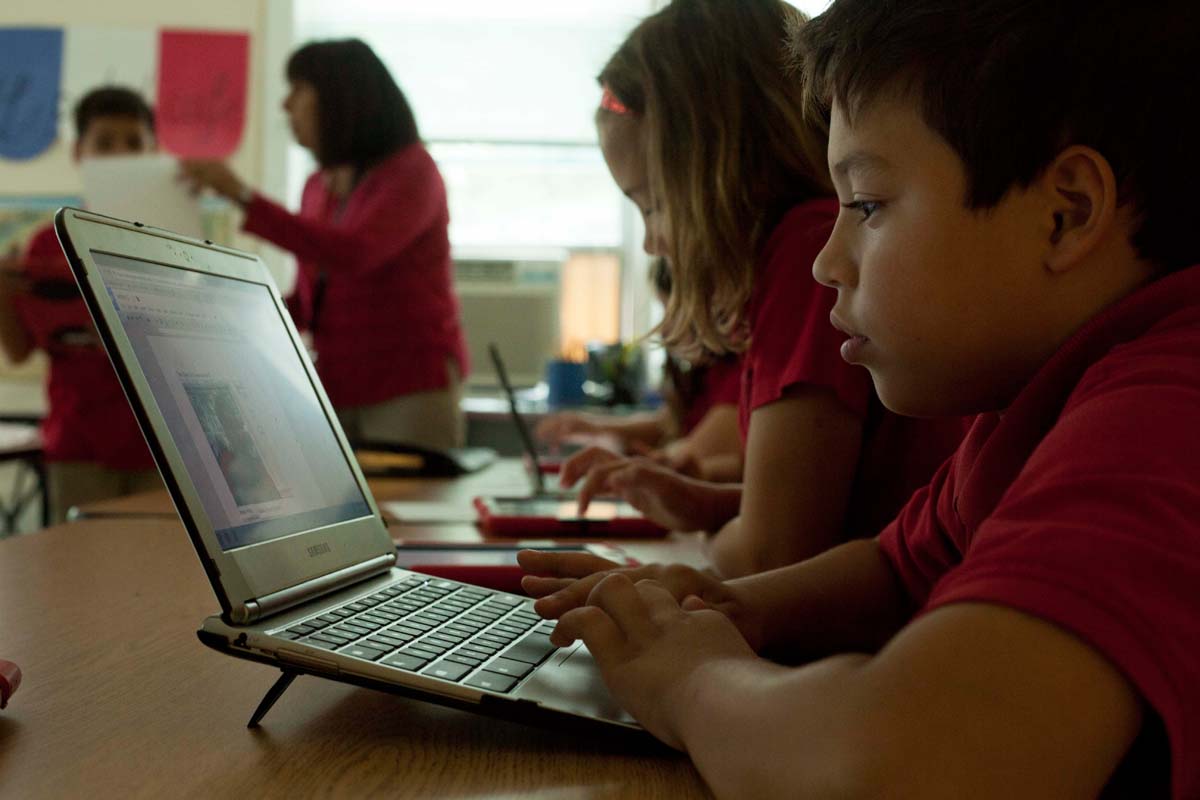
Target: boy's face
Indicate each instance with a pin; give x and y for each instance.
(116, 135)
(946, 306)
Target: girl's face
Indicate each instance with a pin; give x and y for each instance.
(624, 150)
(301, 108)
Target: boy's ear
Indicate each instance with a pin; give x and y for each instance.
(1082, 190)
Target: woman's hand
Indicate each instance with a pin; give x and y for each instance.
(216, 175)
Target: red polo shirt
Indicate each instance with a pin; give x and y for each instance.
(792, 342)
(722, 385)
(1081, 505)
(375, 285)
(89, 419)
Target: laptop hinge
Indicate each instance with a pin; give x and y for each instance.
(268, 604)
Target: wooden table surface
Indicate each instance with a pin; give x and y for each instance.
(119, 698)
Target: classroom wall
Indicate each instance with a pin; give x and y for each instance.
(261, 157)
(53, 173)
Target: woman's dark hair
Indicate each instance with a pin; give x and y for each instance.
(362, 116)
(1009, 84)
(111, 101)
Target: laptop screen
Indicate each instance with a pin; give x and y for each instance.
(539, 483)
(236, 400)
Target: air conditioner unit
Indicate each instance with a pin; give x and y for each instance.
(512, 300)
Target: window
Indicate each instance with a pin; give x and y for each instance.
(504, 94)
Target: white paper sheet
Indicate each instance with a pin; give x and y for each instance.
(141, 189)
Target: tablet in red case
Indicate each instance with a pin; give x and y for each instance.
(524, 516)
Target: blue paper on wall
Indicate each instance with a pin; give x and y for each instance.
(30, 72)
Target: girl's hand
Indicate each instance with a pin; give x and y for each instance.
(672, 500)
(558, 427)
(676, 457)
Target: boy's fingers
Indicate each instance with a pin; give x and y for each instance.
(658, 602)
(572, 596)
(537, 586)
(681, 580)
(563, 565)
(622, 601)
(596, 628)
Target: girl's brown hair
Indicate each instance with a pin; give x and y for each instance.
(729, 150)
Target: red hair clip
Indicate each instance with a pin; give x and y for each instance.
(609, 102)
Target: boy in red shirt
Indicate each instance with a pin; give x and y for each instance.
(93, 447)
(1015, 242)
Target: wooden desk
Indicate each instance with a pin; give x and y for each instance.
(120, 699)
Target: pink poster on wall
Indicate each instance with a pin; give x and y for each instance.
(201, 99)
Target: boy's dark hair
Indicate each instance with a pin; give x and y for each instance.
(111, 101)
(362, 116)
(1008, 84)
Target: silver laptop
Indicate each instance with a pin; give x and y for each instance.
(269, 491)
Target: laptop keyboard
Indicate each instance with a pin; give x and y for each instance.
(437, 628)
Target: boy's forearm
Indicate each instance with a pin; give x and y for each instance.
(756, 729)
(847, 599)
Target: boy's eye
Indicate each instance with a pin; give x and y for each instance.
(865, 207)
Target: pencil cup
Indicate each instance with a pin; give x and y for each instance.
(564, 380)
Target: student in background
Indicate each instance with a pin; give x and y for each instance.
(701, 128)
(694, 433)
(1017, 241)
(93, 447)
(375, 286)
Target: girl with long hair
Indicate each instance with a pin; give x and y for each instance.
(702, 125)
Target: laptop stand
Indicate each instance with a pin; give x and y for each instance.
(273, 694)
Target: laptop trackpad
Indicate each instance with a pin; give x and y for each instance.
(570, 682)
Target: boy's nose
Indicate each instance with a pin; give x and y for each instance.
(833, 267)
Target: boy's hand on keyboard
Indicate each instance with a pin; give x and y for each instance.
(564, 581)
(654, 653)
